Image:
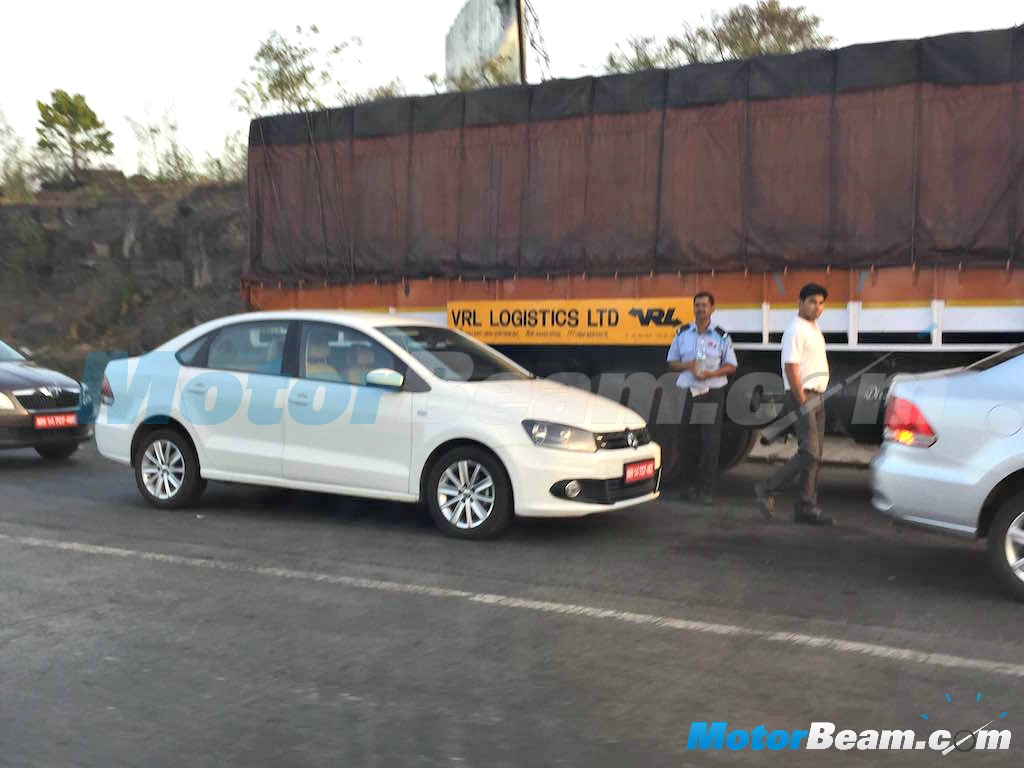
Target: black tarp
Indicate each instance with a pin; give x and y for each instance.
(889, 153)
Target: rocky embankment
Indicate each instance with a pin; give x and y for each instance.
(118, 272)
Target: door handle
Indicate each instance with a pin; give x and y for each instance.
(197, 389)
(299, 399)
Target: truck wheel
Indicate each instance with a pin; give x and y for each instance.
(1006, 546)
(737, 443)
(667, 436)
(56, 451)
(469, 494)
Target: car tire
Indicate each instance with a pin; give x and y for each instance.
(171, 456)
(56, 451)
(1006, 542)
(468, 494)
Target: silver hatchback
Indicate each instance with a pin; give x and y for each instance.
(953, 456)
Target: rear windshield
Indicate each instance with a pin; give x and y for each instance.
(999, 357)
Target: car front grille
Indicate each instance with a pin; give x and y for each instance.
(39, 401)
(611, 441)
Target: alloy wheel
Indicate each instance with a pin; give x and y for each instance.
(1015, 546)
(465, 494)
(163, 469)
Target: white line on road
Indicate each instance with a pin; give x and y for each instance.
(818, 642)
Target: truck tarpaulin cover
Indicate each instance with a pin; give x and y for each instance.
(899, 153)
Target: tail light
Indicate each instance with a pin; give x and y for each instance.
(905, 424)
(107, 395)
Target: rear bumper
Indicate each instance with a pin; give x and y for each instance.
(114, 440)
(909, 486)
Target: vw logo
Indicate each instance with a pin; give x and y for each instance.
(632, 440)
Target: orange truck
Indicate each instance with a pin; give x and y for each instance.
(569, 223)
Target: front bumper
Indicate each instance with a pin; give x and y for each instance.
(536, 474)
(18, 432)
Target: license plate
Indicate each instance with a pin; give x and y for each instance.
(639, 470)
(56, 421)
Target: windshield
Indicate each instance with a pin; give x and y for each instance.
(452, 356)
(999, 357)
(8, 355)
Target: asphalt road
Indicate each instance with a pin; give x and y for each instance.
(293, 629)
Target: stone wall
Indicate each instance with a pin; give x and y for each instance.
(119, 274)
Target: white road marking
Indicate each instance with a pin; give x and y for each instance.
(818, 642)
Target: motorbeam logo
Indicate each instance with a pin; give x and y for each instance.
(821, 736)
(826, 735)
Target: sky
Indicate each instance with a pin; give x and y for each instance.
(134, 59)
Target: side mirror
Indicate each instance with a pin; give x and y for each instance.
(25, 352)
(385, 377)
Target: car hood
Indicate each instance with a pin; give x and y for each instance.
(26, 375)
(547, 400)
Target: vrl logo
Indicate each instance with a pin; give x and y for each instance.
(656, 315)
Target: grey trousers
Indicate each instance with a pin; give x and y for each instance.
(810, 437)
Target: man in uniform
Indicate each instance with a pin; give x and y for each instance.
(704, 356)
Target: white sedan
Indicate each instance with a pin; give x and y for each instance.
(370, 405)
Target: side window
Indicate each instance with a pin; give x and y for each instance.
(192, 354)
(249, 347)
(335, 353)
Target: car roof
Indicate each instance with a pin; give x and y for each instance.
(359, 320)
(355, 318)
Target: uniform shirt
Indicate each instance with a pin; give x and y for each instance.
(718, 351)
(803, 343)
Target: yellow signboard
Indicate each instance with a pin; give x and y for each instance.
(573, 321)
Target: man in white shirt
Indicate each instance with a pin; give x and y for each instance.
(805, 378)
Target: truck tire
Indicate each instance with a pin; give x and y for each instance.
(1004, 545)
(737, 443)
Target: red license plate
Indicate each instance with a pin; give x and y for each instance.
(639, 470)
(56, 421)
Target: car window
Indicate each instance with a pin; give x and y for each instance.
(189, 355)
(249, 347)
(999, 357)
(452, 356)
(335, 353)
(9, 355)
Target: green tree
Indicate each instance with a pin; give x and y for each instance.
(233, 162)
(644, 53)
(15, 181)
(767, 27)
(70, 131)
(291, 75)
(486, 74)
(161, 154)
(389, 90)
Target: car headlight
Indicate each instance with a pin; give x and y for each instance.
(549, 435)
(6, 404)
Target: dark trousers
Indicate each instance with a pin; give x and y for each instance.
(810, 437)
(700, 439)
